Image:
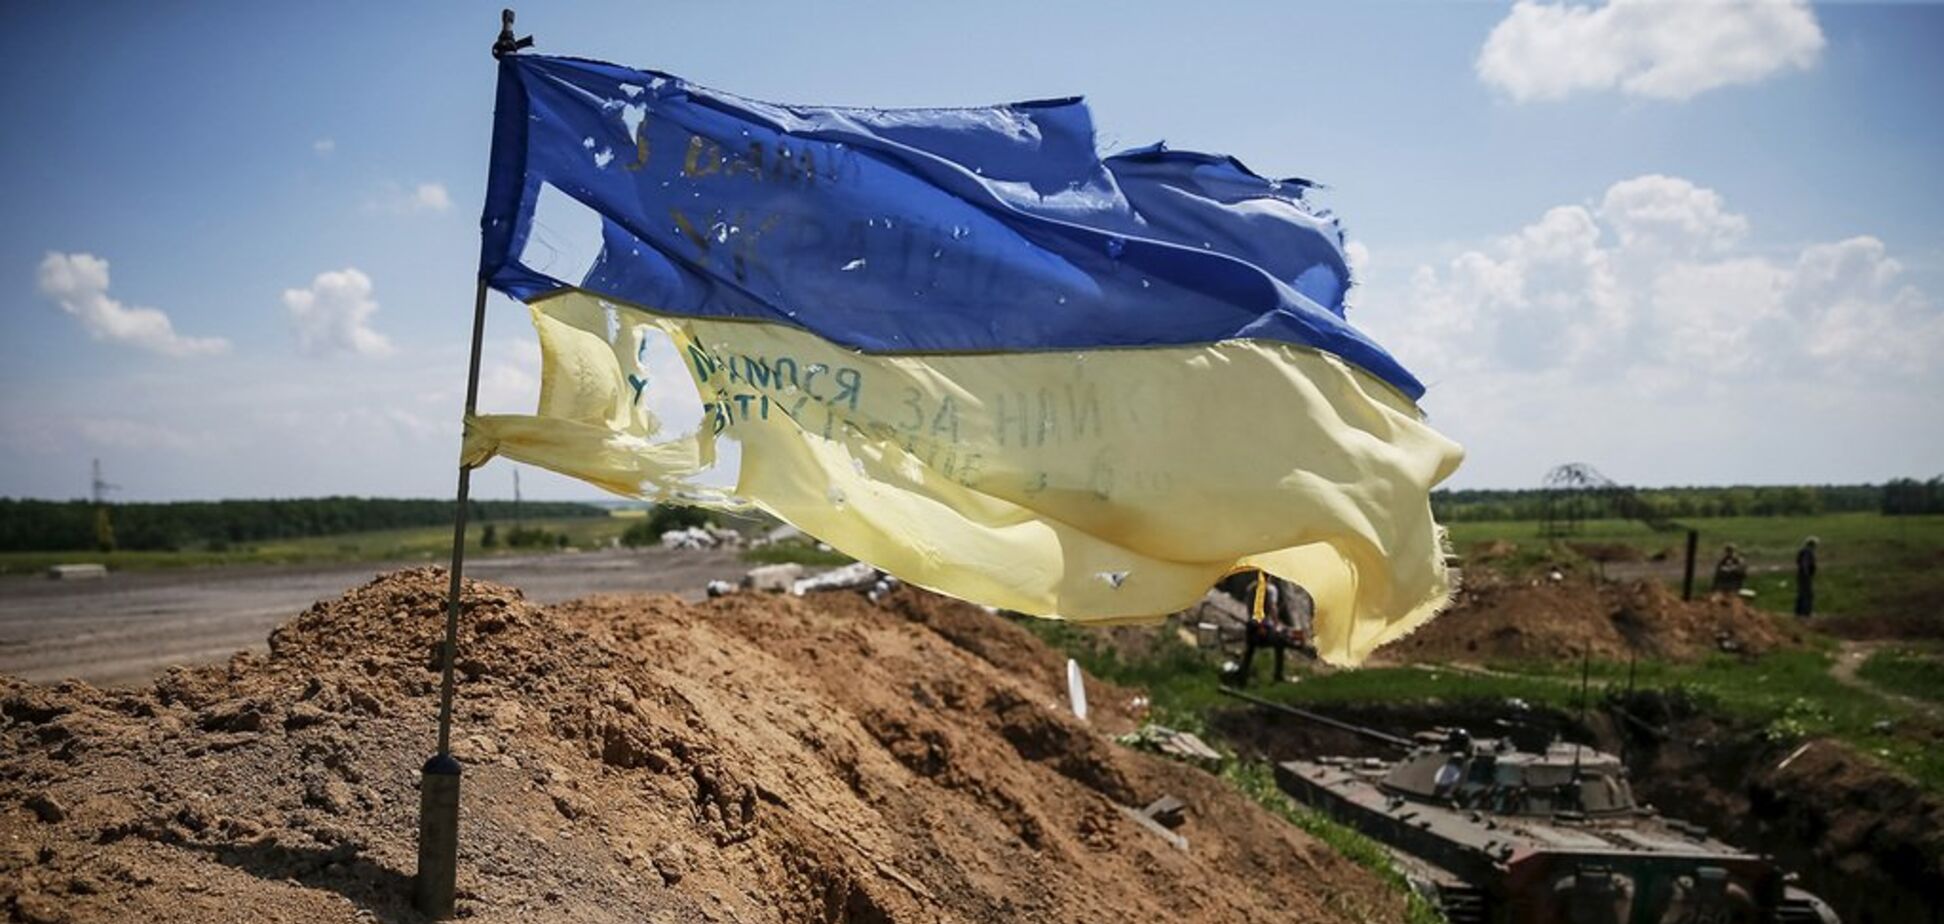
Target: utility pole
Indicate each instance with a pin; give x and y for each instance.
(104, 525)
(100, 487)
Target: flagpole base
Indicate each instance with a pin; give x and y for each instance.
(438, 855)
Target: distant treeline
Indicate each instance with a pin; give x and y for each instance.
(1903, 496)
(59, 526)
(1908, 495)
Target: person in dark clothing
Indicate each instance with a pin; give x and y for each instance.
(1731, 572)
(1806, 578)
(1286, 610)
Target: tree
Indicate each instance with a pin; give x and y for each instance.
(104, 529)
(665, 517)
(673, 516)
(637, 535)
(1906, 496)
(489, 539)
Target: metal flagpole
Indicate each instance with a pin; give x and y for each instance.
(438, 856)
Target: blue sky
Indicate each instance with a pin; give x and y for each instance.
(1686, 247)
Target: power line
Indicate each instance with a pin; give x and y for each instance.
(101, 487)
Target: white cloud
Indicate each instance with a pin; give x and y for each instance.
(78, 282)
(1648, 48)
(324, 147)
(257, 425)
(334, 314)
(1655, 276)
(430, 197)
(1665, 211)
(1645, 332)
(399, 200)
(137, 435)
(253, 425)
(1357, 255)
(510, 384)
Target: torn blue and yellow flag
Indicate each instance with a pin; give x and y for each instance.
(960, 345)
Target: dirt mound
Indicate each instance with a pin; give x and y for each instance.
(1608, 551)
(1493, 550)
(1866, 839)
(1495, 618)
(630, 759)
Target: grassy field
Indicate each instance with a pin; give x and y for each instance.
(1878, 576)
(1912, 671)
(1787, 694)
(428, 543)
(800, 552)
(1257, 780)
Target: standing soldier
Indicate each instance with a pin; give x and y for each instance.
(1731, 572)
(1806, 578)
(1288, 612)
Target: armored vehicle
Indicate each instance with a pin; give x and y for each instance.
(1496, 834)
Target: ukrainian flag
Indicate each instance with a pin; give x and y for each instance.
(962, 346)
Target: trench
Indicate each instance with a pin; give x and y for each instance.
(1868, 841)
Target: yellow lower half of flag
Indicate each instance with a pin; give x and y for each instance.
(1104, 486)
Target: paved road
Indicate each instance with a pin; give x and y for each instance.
(129, 627)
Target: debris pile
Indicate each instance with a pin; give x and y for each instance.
(1180, 745)
(702, 537)
(751, 758)
(854, 576)
(1500, 619)
(789, 577)
(776, 579)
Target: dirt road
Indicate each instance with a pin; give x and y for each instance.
(130, 627)
(1850, 656)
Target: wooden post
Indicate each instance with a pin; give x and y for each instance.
(1687, 582)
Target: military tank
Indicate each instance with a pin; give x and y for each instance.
(1495, 834)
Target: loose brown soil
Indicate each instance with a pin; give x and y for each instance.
(1608, 551)
(1869, 841)
(631, 759)
(1502, 619)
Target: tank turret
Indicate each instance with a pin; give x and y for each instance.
(1491, 775)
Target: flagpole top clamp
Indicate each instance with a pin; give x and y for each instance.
(507, 44)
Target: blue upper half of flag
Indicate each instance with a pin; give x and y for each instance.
(910, 230)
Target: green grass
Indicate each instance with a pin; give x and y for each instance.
(1787, 694)
(1183, 686)
(1784, 696)
(1912, 672)
(424, 543)
(802, 553)
(1877, 575)
(1775, 538)
(1257, 780)
(1182, 689)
